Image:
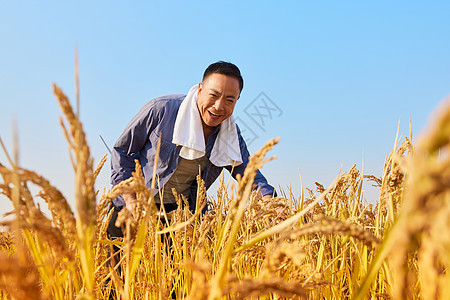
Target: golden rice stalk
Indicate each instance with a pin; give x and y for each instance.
(62, 214)
(287, 255)
(51, 235)
(103, 207)
(258, 287)
(19, 279)
(85, 179)
(6, 241)
(85, 195)
(330, 226)
(391, 192)
(201, 284)
(100, 166)
(376, 180)
(31, 217)
(10, 190)
(433, 261)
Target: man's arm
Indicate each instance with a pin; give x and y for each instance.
(128, 148)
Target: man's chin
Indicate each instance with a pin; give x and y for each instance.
(213, 124)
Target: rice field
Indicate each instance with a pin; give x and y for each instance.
(326, 243)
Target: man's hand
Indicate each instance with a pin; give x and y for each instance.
(267, 197)
(130, 202)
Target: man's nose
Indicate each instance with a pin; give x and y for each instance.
(218, 105)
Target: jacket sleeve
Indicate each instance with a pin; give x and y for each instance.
(260, 181)
(129, 145)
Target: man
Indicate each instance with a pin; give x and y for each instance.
(197, 131)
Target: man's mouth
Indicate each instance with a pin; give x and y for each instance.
(213, 114)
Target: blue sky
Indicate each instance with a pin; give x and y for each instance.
(341, 73)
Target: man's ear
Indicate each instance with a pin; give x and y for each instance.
(200, 87)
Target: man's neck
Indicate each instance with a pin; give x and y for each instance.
(207, 130)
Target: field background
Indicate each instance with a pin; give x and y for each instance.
(343, 74)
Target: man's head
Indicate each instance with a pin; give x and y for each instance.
(225, 68)
(218, 93)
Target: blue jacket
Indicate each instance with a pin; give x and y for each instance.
(140, 139)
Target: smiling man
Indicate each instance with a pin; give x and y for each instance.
(197, 132)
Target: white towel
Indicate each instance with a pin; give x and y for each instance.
(188, 132)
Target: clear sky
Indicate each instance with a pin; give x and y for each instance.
(338, 75)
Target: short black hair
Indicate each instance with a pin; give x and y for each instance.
(225, 68)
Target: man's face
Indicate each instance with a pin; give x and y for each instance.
(217, 96)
